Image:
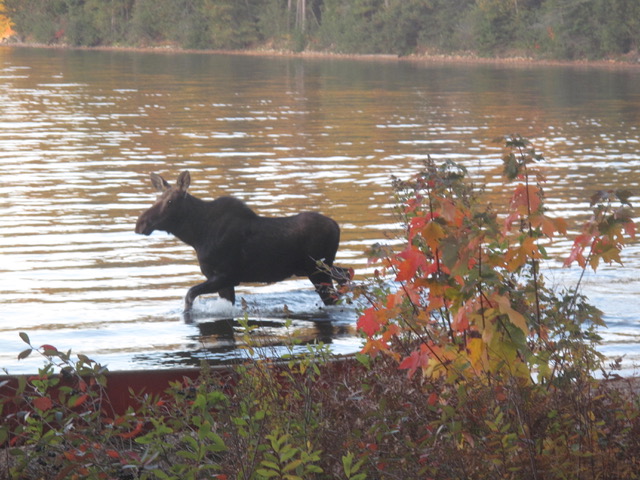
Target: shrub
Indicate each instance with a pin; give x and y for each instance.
(472, 368)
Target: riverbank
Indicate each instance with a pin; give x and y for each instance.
(469, 58)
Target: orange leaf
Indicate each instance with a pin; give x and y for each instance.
(518, 256)
(373, 347)
(526, 198)
(561, 225)
(451, 213)
(80, 400)
(432, 234)
(504, 306)
(70, 456)
(460, 321)
(133, 432)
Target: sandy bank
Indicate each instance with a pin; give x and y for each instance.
(426, 58)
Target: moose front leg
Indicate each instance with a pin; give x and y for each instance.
(212, 285)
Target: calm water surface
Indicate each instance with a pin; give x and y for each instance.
(81, 131)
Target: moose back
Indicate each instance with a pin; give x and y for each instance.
(235, 245)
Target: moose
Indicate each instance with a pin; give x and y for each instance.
(235, 245)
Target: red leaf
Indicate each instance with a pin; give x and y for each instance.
(630, 229)
(112, 453)
(413, 260)
(417, 359)
(43, 403)
(48, 348)
(579, 244)
(368, 322)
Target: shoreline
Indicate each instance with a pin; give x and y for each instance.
(425, 58)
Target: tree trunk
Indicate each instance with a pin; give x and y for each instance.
(301, 15)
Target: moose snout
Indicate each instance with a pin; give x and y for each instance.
(143, 227)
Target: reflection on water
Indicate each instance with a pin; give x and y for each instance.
(80, 132)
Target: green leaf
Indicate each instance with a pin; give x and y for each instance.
(25, 353)
(288, 453)
(200, 401)
(218, 443)
(623, 196)
(266, 473)
(84, 358)
(313, 469)
(162, 475)
(347, 461)
(364, 359)
(292, 466)
(25, 338)
(145, 439)
(193, 443)
(188, 455)
(271, 465)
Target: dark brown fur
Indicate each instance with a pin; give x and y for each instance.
(235, 245)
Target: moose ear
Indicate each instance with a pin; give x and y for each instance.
(159, 183)
(184, 180)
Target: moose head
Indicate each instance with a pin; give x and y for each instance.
(167, 207)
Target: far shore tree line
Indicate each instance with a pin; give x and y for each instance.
(547, 29)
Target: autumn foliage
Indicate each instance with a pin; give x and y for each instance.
(471, 368)
(467, 297)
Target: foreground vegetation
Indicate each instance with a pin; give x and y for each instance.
(560, 29)
(471, 368)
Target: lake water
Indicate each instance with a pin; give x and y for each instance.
(80, 131)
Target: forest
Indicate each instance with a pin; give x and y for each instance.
(543, 29)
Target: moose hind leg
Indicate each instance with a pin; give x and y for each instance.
(341, 275)
(228, 294)
(324, 287)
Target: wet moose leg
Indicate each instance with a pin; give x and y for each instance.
(212, 285)
(324, 286)
(341, 275)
